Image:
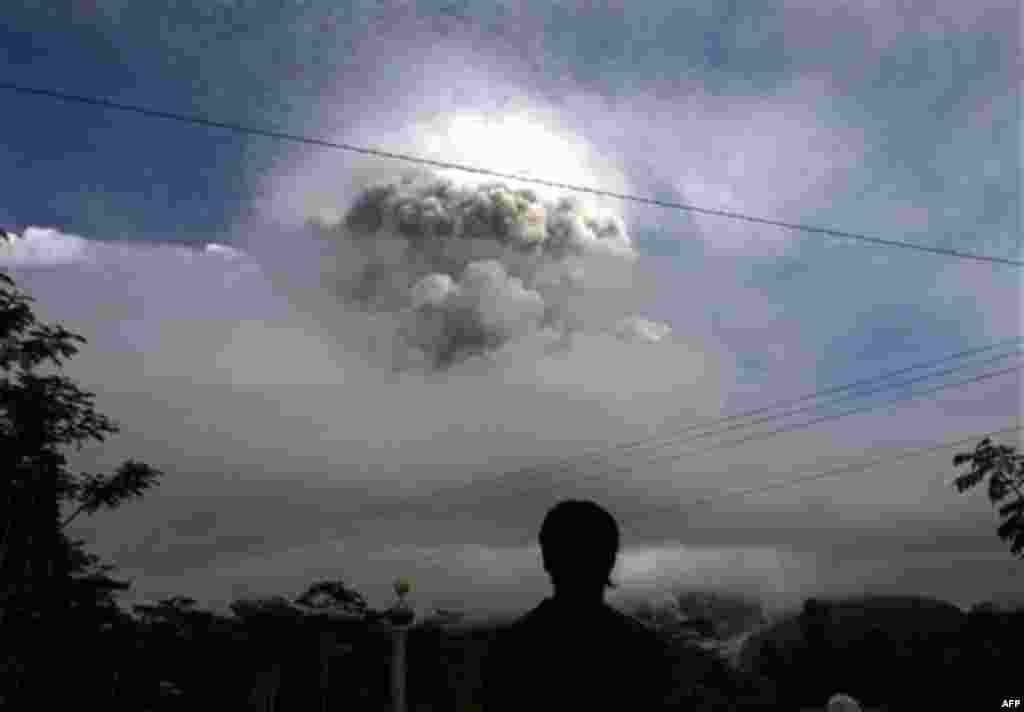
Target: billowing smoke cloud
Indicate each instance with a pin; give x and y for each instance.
(644, 330)
(467, 269)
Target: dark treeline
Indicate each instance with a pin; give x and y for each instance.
(890, 653)
(173, 655)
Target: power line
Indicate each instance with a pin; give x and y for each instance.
(806, 409)
(539, 471)
(728, 444)
(496, 174)
(513, 488)
(822, 475)
(654, 440)
(856, 467)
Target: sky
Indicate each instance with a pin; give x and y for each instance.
(213, 280)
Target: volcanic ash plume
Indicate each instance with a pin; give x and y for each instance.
(467, 269)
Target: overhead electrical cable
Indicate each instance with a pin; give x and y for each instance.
(728, 444)
(807, 409)
(596, 455)
(486, 486)
(604, 451)
(854, 467)
(691, 507)
(379, 153)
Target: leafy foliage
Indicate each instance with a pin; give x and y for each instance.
(40, 413)
(1004, 468)
(49, 580)
(334, 595)
(259, 609)
(95, 492)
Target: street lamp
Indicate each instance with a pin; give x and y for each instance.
(401, 617)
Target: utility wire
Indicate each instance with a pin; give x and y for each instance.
(535, 472)
(511, 176)
(596, 453)
(815, 421)
(728, 444)
(813, 476)
(805, 409)
(505, 484)
(855, 467)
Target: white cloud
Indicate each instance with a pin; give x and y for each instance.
(41, 246)
(644, 330)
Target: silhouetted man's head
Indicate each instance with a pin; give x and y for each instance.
(579, 541)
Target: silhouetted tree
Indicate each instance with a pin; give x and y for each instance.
(815, 656)
(1004, 468)
(772, 665)
(875, 646)
(184, 648)
(333, 595)
(177, 615)
(268, 622)
(40, 413)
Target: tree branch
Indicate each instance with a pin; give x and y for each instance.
(74, 514)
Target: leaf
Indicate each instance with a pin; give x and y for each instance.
(997, 487)
(961, 458)
(1018, 544)
(1010, 528)
(966, 481)
(131, 479)
(1014, 508)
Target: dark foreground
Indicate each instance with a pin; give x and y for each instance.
(890, 654)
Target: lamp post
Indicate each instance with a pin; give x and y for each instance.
(401, 617)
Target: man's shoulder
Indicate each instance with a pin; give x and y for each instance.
(642, 634)
(609, 620)
(555, 645)
(632, 623)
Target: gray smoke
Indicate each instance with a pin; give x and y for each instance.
(467, 269)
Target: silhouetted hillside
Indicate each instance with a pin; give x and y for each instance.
(884, 650)
(903, 618)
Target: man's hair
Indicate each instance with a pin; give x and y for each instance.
(580, 541)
